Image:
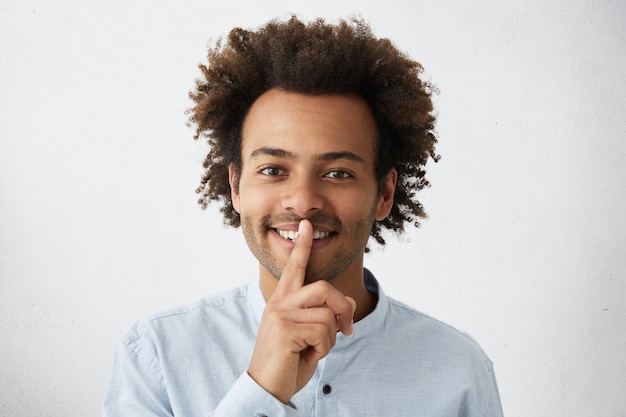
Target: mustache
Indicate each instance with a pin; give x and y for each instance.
(319, 218)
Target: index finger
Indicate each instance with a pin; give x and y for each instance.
(292, 278)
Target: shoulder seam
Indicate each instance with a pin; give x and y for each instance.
(211, 301)
(405, 307)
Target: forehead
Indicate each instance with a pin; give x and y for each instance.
(303, 124)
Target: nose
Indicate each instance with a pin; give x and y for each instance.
(302, 195)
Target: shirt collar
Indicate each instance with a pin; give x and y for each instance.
(372, 321)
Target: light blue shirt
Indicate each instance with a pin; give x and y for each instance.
(192, 361)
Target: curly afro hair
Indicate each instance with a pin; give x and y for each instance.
(316, 58)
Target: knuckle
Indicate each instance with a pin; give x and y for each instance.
(281, 327)
(319, 334)
(329, 316)
(273, 317)
(271, 309)
(322, 286)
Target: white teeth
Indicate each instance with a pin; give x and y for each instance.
(292, 234)
(320, 235)
(288, 234)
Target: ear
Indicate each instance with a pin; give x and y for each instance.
(385, 199)
(233, 180)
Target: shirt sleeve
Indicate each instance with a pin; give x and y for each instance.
(484, 399)
(493, 394)
(137, 389)
(247, 398)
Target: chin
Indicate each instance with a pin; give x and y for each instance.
(328, 275)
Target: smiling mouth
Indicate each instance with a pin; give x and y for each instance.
(292, 234)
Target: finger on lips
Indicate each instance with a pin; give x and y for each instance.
(292, 294)
(292, 278)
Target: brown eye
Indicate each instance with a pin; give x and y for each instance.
(271, 171)
(338, 174)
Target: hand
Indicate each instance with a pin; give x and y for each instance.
(299, 325)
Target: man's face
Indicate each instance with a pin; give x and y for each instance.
(309, 157)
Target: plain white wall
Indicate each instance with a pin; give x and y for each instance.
(524, 247)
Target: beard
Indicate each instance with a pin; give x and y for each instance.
(349, 244)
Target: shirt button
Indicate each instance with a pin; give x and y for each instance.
(327, 389)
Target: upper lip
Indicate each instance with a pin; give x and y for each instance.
(294, 227)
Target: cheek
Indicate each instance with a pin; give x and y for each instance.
(357, 205)
(251, 200)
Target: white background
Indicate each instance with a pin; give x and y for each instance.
(524, 247)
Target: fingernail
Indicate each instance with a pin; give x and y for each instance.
(300, 229)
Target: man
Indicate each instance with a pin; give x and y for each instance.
(319, 134)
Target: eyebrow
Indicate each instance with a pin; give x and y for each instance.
(277, 152)
(325, 157)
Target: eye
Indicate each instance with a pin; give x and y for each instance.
(338, 174)
(272, 171)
